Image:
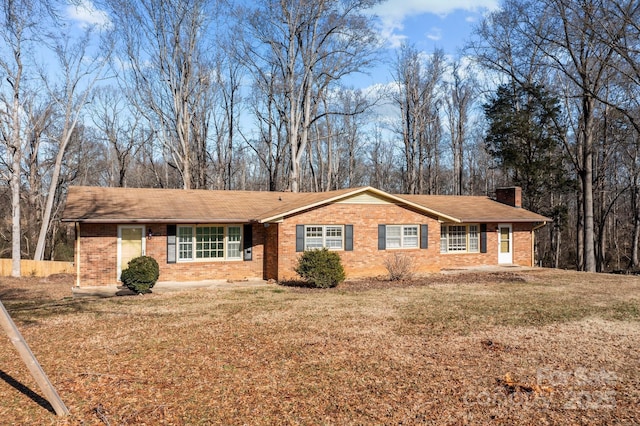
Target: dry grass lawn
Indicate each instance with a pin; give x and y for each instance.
(537, 347)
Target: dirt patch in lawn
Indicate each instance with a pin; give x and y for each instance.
(53, 287)
(421, 281)
(543, 347)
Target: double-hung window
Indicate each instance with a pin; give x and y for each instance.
(324, 236)
(209, 242)
(185, 243)
(234, 238)
(459, 239)
(402, 236)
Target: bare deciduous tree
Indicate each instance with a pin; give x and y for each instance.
(269, 141)
(575, 51)
(227, 104)
(40, 119)
(418, 97)
(79, 72)
(121, 128)
(309, 45)
(458, 105)
(19, 30)
(556, 41)
(168, 72)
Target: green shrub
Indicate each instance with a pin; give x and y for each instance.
(141, 274)
(321, 268)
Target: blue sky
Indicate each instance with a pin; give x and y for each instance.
(426, 24)
(431, 23)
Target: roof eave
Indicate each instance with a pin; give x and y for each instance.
(506, 220)
(162, 220)
(281, 215)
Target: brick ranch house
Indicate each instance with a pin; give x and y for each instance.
(239, 235)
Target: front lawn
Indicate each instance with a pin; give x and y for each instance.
(542, 346)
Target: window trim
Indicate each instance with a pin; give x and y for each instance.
(194, 243)
(324, 238)
(445, 238)
(403, 237)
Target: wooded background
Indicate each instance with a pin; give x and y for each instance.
(260, 96)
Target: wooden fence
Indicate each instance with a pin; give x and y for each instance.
(37, 268)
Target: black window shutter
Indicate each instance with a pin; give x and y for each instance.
(247, 241)
(299, 238)
(483, 238)
(171, 244)
(382, 237)
(424, 236)
(348, 237)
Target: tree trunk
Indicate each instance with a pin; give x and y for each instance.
(556, 258)
(587, 187)
(16, 152)
(15, 210)
(53, 189)
(294, 170)
(634, 243)
(580, 228)
(46, 217)
(635, 198)
(459, 189)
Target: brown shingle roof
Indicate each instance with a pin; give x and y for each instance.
(474, 208)
(126, 205)
(115, 205)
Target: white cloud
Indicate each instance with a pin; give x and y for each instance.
(86, 14)
(392, 13)
(392, 37)
(434, 34)
(399, 10)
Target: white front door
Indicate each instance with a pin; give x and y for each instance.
(130, 244)
(505, 244)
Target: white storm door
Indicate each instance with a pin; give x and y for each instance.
(130, 244)
(505, 244)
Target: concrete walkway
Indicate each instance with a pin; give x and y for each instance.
(169, 286)
(165, 287)
(489, 268)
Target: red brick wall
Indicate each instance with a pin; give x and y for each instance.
(523, 244)
(511, 196)
(367, 261)
(209, 270)
(274, 254)
(271, 248)
(98, 254)
(98, 258)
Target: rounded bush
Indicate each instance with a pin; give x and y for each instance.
(320, 268)
(141, 274)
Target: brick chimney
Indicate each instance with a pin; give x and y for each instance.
(511, 196)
